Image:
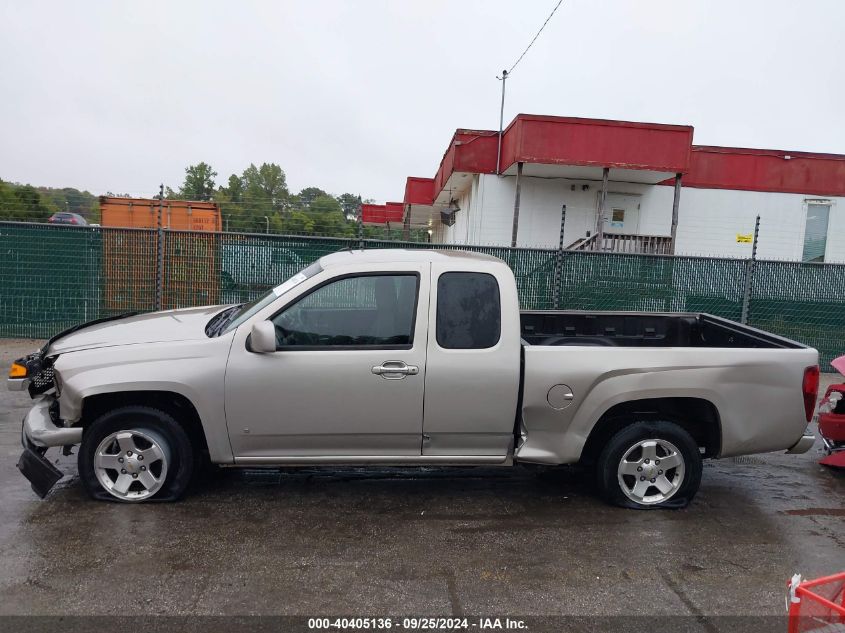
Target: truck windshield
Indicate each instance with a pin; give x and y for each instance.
(245, 311)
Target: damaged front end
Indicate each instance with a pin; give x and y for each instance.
(42, 427)
(33, 464)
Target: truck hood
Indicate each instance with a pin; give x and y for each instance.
(154, 327)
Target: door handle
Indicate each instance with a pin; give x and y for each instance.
(395, 370)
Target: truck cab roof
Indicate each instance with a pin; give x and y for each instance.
(380, 256)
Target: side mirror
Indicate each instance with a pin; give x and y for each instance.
(262, 337)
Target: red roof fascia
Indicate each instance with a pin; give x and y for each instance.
(382, 213)
(394, 212)
(471, 151)
(596, 142)
(765, 170)
(373, 213)
(419, 191)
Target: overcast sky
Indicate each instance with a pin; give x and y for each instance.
(355, 96)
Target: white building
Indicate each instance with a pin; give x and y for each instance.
(635, 187)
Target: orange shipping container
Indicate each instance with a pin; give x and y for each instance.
(190, 269)
(177, 215)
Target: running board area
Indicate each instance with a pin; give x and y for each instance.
(382, 460)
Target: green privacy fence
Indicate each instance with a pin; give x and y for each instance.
(52, 277)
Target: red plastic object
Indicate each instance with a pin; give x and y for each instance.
(832, 423)
(835, 460)
(817, 605)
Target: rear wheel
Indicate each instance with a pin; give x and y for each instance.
(650, 464)
(135, 454)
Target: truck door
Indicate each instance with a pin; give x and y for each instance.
(473, 364)
(348, 375)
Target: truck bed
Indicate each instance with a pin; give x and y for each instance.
(750, 380)
(643, 329)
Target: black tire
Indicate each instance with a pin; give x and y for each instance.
(608, 463)
(180, 466)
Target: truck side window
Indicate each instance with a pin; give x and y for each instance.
(361, 311)
(469, 313)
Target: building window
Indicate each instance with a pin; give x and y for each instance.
(617, 218)
(815, 232)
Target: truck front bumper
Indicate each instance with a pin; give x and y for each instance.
(17, 384)
(38, 433)
(39, 428)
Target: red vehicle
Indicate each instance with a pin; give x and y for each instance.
(832, 419)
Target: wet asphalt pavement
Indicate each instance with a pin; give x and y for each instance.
(436, 541)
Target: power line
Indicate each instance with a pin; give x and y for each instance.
(504, 78)
(531, 43)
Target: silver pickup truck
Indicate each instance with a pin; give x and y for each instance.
(410, 358)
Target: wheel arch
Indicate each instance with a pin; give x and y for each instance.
(171, 402)
(697, 416)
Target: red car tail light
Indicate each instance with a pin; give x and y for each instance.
(810, 388)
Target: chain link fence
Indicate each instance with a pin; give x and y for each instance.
(53, 277)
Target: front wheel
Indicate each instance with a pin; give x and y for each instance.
(650, 464)
(134, 454)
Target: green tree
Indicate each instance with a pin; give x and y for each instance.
(294, 222)
(265, 187)
(198, 184)
(307, 196)
(234, 192)
(7, 201)
(328, 217)
(325, 204)
(350, 204)
(22, 202)
(257, 193)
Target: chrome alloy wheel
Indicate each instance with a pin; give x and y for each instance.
(651, 471)
(132, 465)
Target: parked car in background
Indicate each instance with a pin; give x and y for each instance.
(410, 357)
(65, 217)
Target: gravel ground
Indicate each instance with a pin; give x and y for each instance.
(425, 541)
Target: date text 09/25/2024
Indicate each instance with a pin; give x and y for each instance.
(414, 624)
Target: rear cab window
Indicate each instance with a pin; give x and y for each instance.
(469, 311)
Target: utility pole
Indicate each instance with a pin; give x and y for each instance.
(503, 79)
(602, 205)
(676, 200)
(516, 198)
